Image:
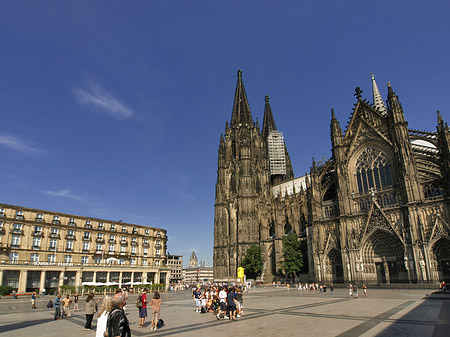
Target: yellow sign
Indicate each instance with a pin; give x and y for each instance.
(240, 272)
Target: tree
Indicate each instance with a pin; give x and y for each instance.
(253, 262)
(292, 255)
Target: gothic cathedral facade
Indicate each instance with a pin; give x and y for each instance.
(378, 211)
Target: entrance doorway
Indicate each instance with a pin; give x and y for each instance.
(445, 266)
(381, 273)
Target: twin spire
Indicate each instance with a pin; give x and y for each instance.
(241, 110)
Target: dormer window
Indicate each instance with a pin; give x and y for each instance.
(158, 234)
(135, 230)
(147, 231)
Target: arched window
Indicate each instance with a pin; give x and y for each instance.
(373, 170)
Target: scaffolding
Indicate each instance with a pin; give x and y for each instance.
(277, 156)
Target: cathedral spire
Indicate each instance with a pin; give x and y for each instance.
(336, 131)
(394, 106)
(269, 121)
(377, 99)
(241, 109)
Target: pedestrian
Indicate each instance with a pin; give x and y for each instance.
(223, 303)
(75, 301)
(196, 294)
(43, 292)
(14, 295)
(364, 289)
(102, 316)
(350, 290)
(89, 308)
(156, 308)
(331, 289)
(231, 303)
(33, 300)
(117, 322)
(143, 308)
(355, 291)
(324, 288)
(57, 306)
(66, 306)
(240, 302)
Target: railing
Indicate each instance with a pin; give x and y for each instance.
(386, 198)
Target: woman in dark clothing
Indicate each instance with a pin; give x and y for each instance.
(89, 308)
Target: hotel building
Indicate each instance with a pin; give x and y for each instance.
(43, 249)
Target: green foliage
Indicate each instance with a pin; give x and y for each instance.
(292, 254)
(253, 262)
(5, 290)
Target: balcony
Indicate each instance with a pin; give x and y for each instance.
(85, 251)
(55, 235)
(145, 244)
(70, 236)
(124, 242)
(134, 231)
(88, 226)
(100, 240)
(57, 222)
(134, 243)
(36, 247)
(39, 233)
(69, 249)
(20, 217)
(87, 238)
(158, 246)
(39, 220)
(17, 231)
(111, 252)
(98, 252)
(112, 240)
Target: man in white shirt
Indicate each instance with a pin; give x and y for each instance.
(223, 302)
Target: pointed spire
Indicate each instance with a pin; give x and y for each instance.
(377, 99)
(241, 109)
(394, 106)
(336, 131)
(269, 121)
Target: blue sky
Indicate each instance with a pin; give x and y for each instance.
(114, 109)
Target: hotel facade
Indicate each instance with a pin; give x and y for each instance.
(45, 250)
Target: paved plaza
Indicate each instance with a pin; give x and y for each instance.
(268, 312)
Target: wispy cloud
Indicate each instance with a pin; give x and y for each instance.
(65, 193)
(19, 145)
(95, 95)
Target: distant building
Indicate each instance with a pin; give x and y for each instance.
(195, 273)
(43, 249)
(175, 263)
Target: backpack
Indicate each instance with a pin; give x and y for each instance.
(160, 323)
(139, 302)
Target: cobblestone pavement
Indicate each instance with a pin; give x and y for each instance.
(267, 312)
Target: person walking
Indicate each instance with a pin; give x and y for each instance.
(156, 308)
(331, 289)
(143, 309)
(102, 316)
(231, 303)
(89, 308)
(57, 306)
(223, 302)
(66, 306)
(75, 301)
(364, 289)
(33, 300)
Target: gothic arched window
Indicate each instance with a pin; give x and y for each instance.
(373, 170)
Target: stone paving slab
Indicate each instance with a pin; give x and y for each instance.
(267, 312)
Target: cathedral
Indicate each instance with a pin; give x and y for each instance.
(378, 211)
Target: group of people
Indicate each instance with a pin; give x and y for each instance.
(111, 314)
(316, 286)
(225, 302)
(155, 304)
(353, 290)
